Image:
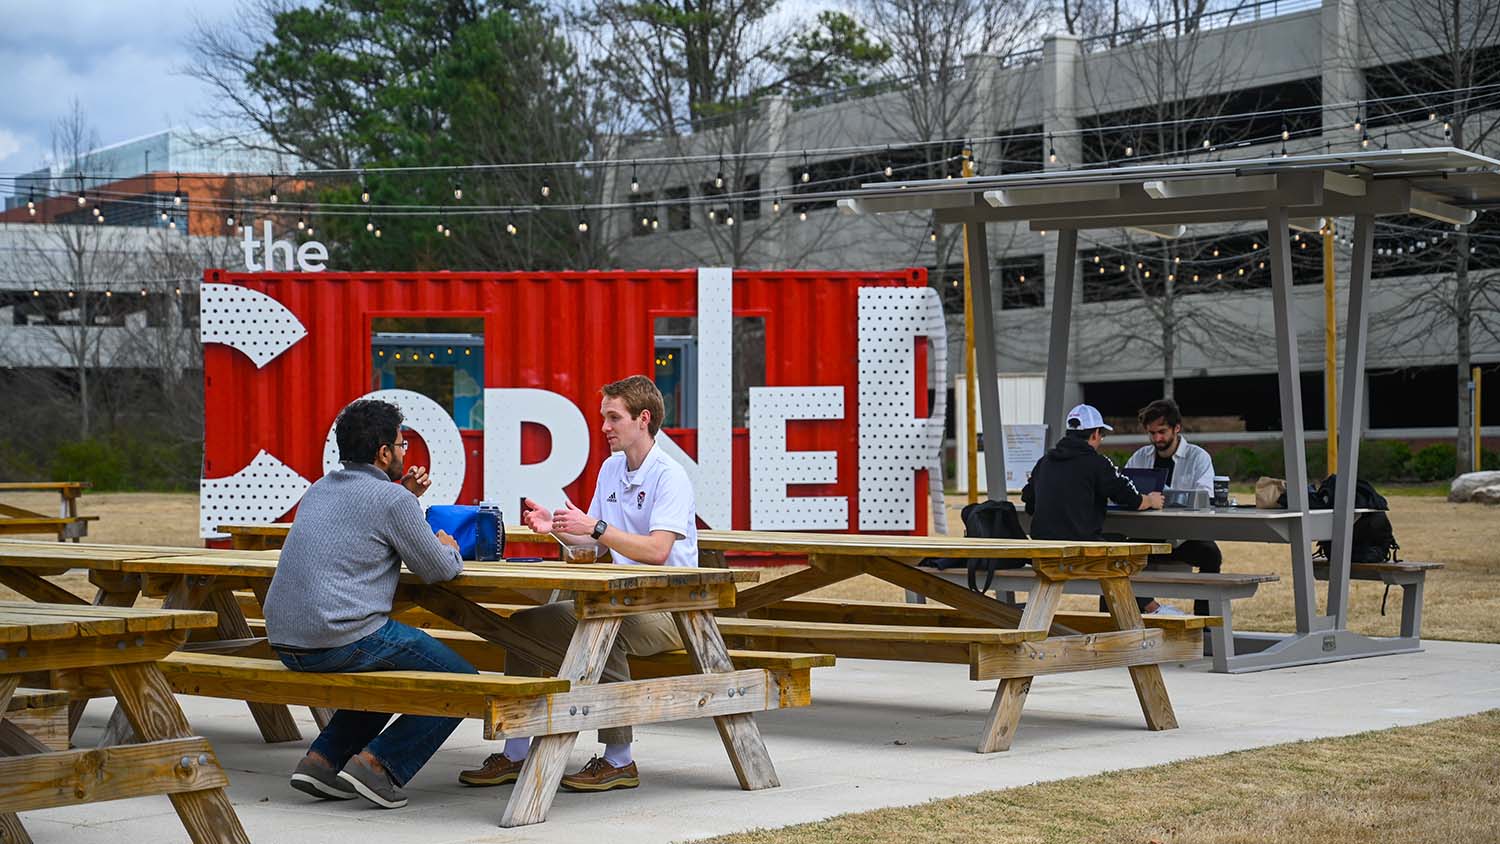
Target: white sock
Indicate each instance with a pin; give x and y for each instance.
(617, 755)
(517, 749)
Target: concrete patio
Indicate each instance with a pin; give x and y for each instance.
(880, 734)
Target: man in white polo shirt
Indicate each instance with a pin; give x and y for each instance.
(643, 512)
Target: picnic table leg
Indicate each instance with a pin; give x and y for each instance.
(740, 734)
(273, 719)
(778, 590)
(147, 701)
(321, 714)
(1010, 697)
(119, 591)
(11, 830)
(543, 771)
(1149, 686)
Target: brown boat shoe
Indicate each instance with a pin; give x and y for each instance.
(497, 769)
(599, 775)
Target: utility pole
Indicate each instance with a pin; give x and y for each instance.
(971, 394)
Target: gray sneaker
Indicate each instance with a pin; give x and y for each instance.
(375, 786)
(320, 781)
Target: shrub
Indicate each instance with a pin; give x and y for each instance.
(1239, 463)
(1381, 461)
(101, 463)
(1489, 461)
(1437, 462)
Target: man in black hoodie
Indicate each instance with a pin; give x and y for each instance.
(1073, 483)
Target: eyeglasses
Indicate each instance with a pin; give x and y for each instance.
(403, 445)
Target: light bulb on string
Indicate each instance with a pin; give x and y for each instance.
(229, 218)
(1447, 129)
(719, 176)
(510, 227)
(163, 214)
(1359, 118)
(1051, 149)
(1286, 134)
(1206, 143)
(546, 189)
(274, 197)
(802, 215)
(806, 174)
(655, 223)
(712, 215)
(635, 180)
(377, 231)
(31, 201)
(369, 224)
(776, 205)
(932, 235)
(1364, 140)
(889, 170)
(729, 221)
(301, 223)
(1129, 149)
(458, 189)
(583, 226)
(364, 192)
(177, 194)
(171, 222)
(97, 212)
(447, 232)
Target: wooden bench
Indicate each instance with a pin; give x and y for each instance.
(509, 706)
(487, 656)
(67, 524)
(1219, 590)
(1410, 576)
(992, 653)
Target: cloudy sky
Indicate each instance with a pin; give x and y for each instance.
(117, 57)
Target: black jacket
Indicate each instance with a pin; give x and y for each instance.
(1069, 489)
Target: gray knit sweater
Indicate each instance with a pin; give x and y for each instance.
(342, 559)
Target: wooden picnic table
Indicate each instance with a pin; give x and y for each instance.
(1040, 642)
(603, 596)
(67, 523)
(123, 647)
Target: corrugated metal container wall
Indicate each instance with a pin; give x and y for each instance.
(567, 332)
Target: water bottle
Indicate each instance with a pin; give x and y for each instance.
(489, 541)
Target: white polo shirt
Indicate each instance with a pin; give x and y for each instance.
(656, 496)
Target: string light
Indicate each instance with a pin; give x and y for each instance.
(31, 201)
(719, 177)
(583, 226)
(171, 222)
(1206, 143)
(458, 189)
(655, 223)
(932, 235)
(369, 224)
(776, 205)
(806, 174)
(177, 194)
(802, 215)
(364, 192)
(1051, 149)
(82, 197)
(635, 180)
(1359, 118)
(377, 231)
(510, 227)
(1364, 140)
(729, 221)
(274, 198)
(1129, 149)
(302, 221)
(546, 189)
(889, 170)
(229, 218)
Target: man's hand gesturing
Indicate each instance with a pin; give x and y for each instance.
(537, 517)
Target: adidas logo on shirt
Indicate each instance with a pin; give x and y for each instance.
(612, 498)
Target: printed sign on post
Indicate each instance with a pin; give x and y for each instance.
(1024, 446)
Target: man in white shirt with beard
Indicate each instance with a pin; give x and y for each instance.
(1188, 467)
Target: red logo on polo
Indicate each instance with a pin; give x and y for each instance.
(640, 499)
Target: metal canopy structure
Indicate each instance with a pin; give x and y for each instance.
(1301, 192)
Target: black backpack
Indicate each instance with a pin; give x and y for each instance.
(1373, 540)
(985, 520)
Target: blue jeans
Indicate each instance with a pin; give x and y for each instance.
(407, 744)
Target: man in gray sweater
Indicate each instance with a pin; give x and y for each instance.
(328, 608)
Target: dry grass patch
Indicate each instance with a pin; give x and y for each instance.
(1462, 601)
(1435, 782)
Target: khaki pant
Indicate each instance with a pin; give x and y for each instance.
(642, 634)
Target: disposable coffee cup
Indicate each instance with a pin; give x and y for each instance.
(1221, 491)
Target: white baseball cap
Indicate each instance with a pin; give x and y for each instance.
(1086, 416)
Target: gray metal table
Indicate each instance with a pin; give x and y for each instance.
(1303, 192)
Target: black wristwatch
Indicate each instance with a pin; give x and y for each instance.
(599, 528)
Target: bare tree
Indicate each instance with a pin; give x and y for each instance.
(1192, 98)
(1438, 86)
